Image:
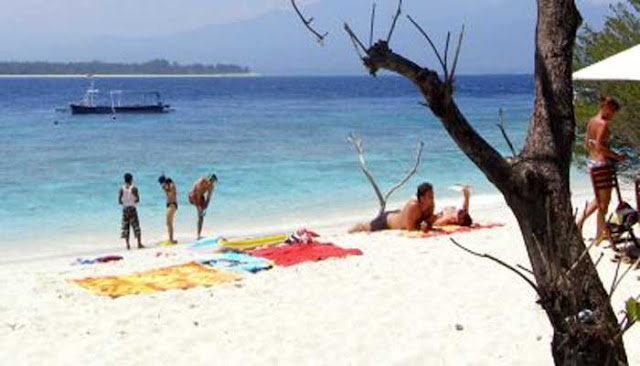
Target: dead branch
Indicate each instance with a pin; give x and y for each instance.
(409, 174)
(457, 55)
(433, 46)
(359, 145)
(373, 18)
(395, 20)
(500, 262)
(504, 132)
(632, 265)
(615, 277)
(357, 142)
(307, 23)
(582, 256)
(356, 41)
(525, 269)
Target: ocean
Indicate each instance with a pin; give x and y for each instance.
(277, 144)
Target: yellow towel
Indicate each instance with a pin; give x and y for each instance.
(182, 276)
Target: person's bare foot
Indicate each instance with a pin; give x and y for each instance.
(140, 246)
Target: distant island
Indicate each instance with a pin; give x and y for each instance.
(153, 67)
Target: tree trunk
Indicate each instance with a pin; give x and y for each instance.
(535, 185)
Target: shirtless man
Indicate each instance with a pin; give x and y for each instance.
(172, 203)
(454, 215)
(410, 217)
(596, 141)
(200, 196)
(128, 197)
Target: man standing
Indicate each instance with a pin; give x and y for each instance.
(200, 196)
(172, 203)
(600, 154)
(128, 197)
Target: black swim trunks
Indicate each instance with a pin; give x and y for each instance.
(172, 203)
(380, 222)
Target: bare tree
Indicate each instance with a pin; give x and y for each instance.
(358, 144)
(535, 182)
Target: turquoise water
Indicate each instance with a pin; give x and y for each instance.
(278, 145)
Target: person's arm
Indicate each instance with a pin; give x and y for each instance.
(136, 194)
(209, 193)
(120, 196)
(467, 196)
(601, 145)
(413, 218)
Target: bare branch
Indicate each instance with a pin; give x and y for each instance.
(457, 55)
(504, 132)
(446, 57)
(595, 265)
(533, 285)
(615, 286)
(395, 19)
(307, 23)
(373, 18)
(433, 46)
(615, 277)
(409, 174)
(358, 144)
(525, 269)
(583, 255)
(356, 41)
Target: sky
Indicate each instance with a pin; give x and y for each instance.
(265, 34)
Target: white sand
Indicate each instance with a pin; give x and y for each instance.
(399, 303)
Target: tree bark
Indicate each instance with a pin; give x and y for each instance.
(535, 185)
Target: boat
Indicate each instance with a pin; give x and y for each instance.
(148, 102)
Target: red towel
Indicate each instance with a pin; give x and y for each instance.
(299, 253)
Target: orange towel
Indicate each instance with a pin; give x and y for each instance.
(448, 230)
(182, 276)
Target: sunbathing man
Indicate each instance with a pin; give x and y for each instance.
(411, 216)
(456, 216)
(172, 203)
(200, 196)
(128, 197)
(596, 141)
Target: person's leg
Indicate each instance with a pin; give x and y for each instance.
(171, 211)
(467, 197)
(362, 226)
(136, 227)
(603, 207)
(588, 211)
(124, 228)
(200, 221)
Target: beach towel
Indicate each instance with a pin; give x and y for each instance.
(103, 259)
(298, 253)
(448, 230)
(236, 262)
(182, 276)
(205, 243)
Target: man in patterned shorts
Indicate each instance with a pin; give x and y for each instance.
(128, 197)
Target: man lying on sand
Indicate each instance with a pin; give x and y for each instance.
(418, 214)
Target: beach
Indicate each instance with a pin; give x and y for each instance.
(405, 301)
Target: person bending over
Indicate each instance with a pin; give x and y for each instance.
(417, 210)
(200, 196)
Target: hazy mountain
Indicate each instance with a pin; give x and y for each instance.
(277, 43)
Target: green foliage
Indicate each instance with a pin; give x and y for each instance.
(621, 30)
(633, 310)
(153, 67)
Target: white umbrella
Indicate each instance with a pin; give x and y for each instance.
(621, 66)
